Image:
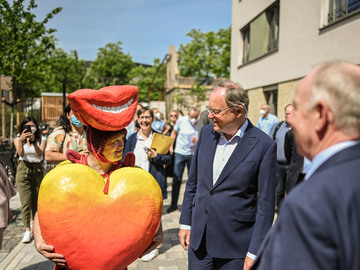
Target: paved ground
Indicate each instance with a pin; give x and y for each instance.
(15, 255)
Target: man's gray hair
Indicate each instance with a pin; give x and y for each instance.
(339, 86)
(194, 109)
(235, 95)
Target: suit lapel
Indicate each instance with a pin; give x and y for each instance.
(243, 148)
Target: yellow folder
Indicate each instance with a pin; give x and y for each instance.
(161, 143)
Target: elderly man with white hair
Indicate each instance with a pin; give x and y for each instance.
(318, 227)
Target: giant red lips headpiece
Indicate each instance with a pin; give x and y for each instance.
(110, 108)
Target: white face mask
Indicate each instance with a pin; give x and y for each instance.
(33, 130)
(262, 112)
(157, 115)
(192, 120)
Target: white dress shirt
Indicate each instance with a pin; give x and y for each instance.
(224, 150)
(141, 157)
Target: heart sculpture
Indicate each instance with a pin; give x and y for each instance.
(94, 230)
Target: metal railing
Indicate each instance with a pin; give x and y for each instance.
(347, 8)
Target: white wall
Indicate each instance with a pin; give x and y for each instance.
(302, 45)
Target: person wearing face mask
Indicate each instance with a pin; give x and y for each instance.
(267, 120)
(158, 123)
(30, 145)
(69, 135)
(186, 133)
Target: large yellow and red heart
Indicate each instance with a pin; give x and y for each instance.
(94, 230)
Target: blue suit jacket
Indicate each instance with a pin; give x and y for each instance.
(238, 210)
(156, 166)
(318, 227)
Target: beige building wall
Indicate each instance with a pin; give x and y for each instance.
(257, 99)
(305, 41)
(286, 96)
(286, 91)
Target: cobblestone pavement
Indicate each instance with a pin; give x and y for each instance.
(15, 255)
(14, 231)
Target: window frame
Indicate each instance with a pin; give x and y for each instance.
(273, 33)
(339, 9)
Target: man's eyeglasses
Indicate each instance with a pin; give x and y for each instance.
(215, 112)
(145, 117)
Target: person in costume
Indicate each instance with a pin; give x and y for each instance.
(105, 143)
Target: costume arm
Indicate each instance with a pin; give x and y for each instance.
(46, 250)
(266, 198)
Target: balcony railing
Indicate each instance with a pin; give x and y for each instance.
(349, 7)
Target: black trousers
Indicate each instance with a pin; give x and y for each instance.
(201, 260)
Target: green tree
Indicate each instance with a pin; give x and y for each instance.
(149, 79)
(24, 44)
(60, 68)
(207, 55)
(198, 93)
(111, 67)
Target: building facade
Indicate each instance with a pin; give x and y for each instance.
(275, 43)
(180, 92)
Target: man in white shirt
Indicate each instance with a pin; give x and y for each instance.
(229, 201)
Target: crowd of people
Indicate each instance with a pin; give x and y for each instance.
(239, 174)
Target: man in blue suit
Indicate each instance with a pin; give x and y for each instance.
(229, 201)
(318, 227)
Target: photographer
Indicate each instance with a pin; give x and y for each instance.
(30, 145)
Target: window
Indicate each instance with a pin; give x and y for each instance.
(271, 97)
(260, 36)
(341, 8)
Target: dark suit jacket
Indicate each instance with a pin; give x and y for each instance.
(235, 217)
(156, 166)
(319, 223)
(296, 161)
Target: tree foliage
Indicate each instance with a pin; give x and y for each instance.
(61, 68)
(111, 67)
(29, 55)
(24, 43)
(144, 78)
(207, 55)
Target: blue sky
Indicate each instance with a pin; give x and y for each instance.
(146, 28)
